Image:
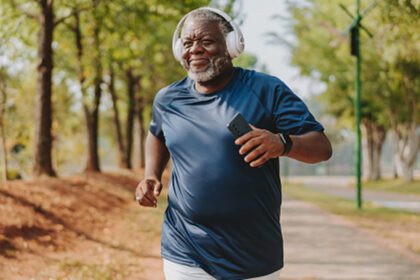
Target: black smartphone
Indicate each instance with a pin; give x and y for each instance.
(238, 126)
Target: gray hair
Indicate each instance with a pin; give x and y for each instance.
(207, 15)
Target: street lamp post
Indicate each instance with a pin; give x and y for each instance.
(357, 108)
(354, 30)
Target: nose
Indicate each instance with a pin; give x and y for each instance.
(196, 48)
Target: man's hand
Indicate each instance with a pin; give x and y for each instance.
(261, 144)
(147, 192)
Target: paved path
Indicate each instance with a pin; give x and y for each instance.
(338, 186)
(319, 245)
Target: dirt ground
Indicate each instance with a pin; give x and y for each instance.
(81, 227)
(86, 227)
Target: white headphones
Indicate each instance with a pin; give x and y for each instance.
(234, 40)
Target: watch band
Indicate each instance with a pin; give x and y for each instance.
(287, 143)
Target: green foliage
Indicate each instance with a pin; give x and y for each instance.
(135, 35)
(321, 52)
(398, 42)
(13, 174)
(18, 118)
(246, 60)
(389, 58)
(68, 127)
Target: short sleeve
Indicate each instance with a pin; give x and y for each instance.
(155, 126)
(290, 113)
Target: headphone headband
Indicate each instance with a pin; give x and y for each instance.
(234, 40)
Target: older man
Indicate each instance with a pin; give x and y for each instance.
(222, 220)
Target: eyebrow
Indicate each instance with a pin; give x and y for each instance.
(204, 37)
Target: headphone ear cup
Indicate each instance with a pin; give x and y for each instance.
(230, 44)
(240, 41)
(177, 50)
(234, 43)
(236, 40)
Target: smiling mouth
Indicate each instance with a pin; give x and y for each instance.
(199, 62)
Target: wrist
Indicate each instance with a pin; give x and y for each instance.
(152, 176)
(287, 143)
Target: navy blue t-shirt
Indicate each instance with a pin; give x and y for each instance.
(223, 215)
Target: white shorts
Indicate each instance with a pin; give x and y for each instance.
(176, 271)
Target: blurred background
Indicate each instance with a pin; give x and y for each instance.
(77, 79)
(77, 82)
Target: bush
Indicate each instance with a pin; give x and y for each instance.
(12, 174)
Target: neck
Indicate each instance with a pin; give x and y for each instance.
(217, 83)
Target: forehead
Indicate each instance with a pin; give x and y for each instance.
(197, 28)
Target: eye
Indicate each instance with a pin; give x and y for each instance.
(207, 42)
(187, 44)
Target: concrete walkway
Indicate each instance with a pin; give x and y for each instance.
(320, 245)
(339, 186)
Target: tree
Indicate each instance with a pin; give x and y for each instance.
(47, 22)
(15, 36)
(3, 102)
(43, 119)
(91, 115)
(321, 52)
(398, 44)
(100, 43)
(144, 60)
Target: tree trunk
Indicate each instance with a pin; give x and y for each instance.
(92, 125)
(4, 170)
(92, 163)
(395, 162)
(142, 135)
(407, 141)
(374, 137)
(131, 89)
(407, 134)
(120, 139)
(92, 119)
(43, 120)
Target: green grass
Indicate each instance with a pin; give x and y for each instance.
(343, 206)
(394, 185)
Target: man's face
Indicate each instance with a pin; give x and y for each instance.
(204, 53)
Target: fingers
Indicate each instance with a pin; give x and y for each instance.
(150, 198)
(146, 202)
(260, 161)
(145, 192)
(244, 138)
(157, 188)
(144, 198)
(258, 156)
(250, 144)
(257, 152)
(259, 146)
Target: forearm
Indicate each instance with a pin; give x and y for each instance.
(311, 147)
(157, 156)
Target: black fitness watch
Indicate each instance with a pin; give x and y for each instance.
(287, 143)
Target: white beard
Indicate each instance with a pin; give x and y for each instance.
(216, 67)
